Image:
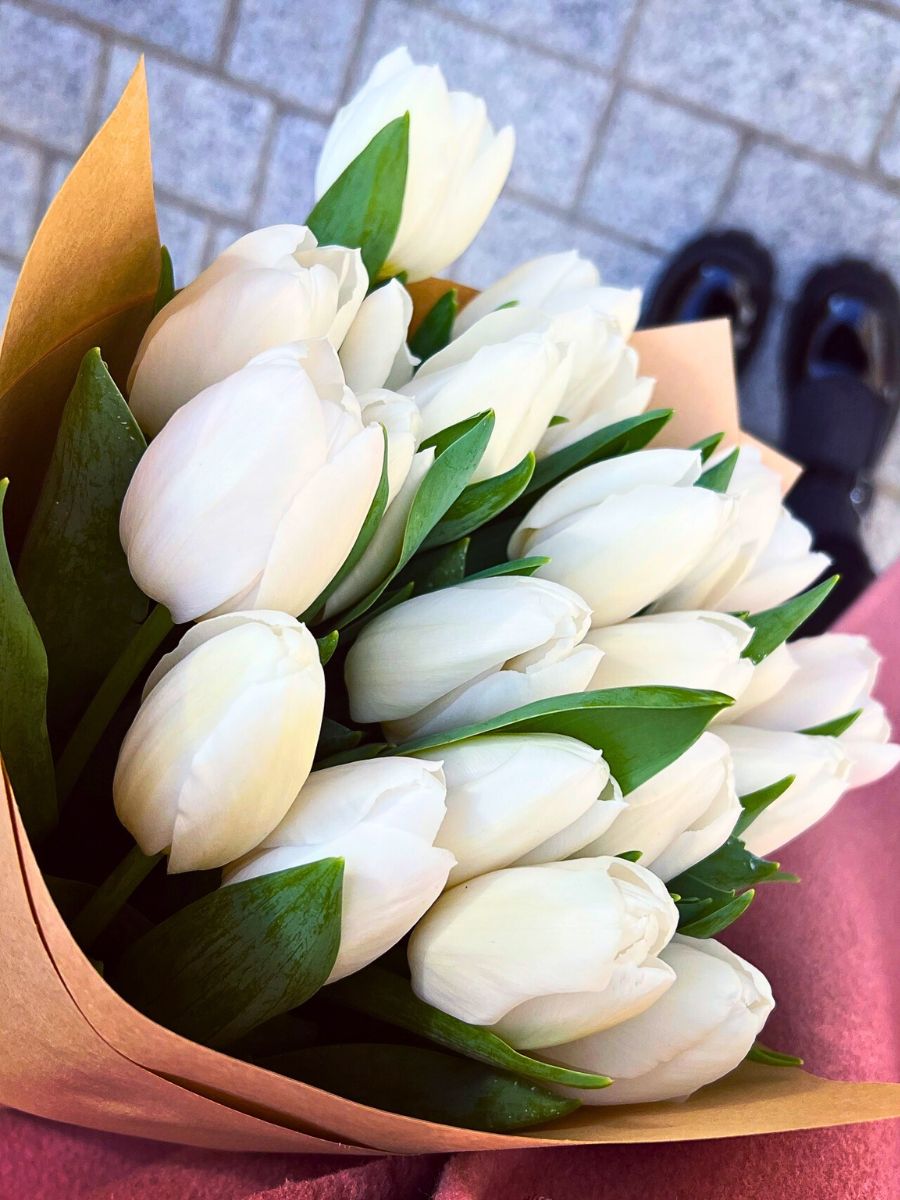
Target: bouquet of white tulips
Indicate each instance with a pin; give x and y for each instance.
(387, 707)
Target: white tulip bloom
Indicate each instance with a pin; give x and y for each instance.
(400, 419)
(685, 649)
(466, 653)
(699, 1030)
(556, 283)
(624, 532)
(509, 793)
(680, 815)
(223, 740)
(508, 362)
(548, 953)
(821, 679)
(822, 768)
(254, 493)
(764, 555)
(374, 353)
(381, 817)
(272, 286)
(585, 829)
(457, 164)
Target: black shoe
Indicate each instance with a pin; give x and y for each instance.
(717, 275)
(842, 374)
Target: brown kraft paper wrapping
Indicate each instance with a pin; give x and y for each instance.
(71, 1048)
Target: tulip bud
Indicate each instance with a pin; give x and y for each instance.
(685, 649)
(548, 953)
(380, 816)
(508, 362)
(374, 353)
(272, 286)
(623, 532)
(763, 556)
(822, 770)
(507, 794)
(554, 284)
(457, 164)
(698, 1031)
(584, 830)
(680, 815)
(823, 678)
(254, 493)
(467, 653)
(223, 740)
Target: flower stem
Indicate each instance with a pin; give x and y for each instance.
(107, 700)
(109, 898)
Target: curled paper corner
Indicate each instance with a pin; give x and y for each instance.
(693, 365)
(88, 279)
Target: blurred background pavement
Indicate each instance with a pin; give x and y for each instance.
(639, 122)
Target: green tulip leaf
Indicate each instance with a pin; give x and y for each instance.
(327, 646)
(757, 802)
(776, 625)
(712, 894)
(388, 997)
(624, 437)
(717, 478)
(516, 566)
(239, 956)
(772, 1058)
(424, 1083)
(363, 206)
(640, 730)
(835, 727)
(480, 503)
(335, 738)
(707, 446)
(436, 329)
(73, 572)
(24, 742)
(165, 289)
(455, 461)
(363, 538)
(717, 918)
(443, 568)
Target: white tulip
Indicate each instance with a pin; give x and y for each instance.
(457, 164)
(680, 815)
(763, 557)
(506, 794)
(548, 953)
(822, 769)
(624, 532)
(686, 649)
(821, 679)
(466, 653)
(508, 362)
(702, 1028)
(556, 283)
(272, 286)
(374, 353)
(380, 816)
(254, 493)
(585, 829)
(223, 740)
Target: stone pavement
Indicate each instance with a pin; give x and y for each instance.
(639, 122)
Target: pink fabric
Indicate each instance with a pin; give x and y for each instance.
(835, 969)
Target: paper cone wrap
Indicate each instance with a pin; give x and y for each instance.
(72, 1049)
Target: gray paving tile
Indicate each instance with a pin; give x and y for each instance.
(759, 388)
(822, 74)
(8, 277)
(192, 29)
(48, 73)
(20, 171)
(660, 170)
(881, 530)
(288, 189)
(299, 51)
(515, 232)
(807, 213)
(588, 29)
(185, 236)
(222, 238)
(208, 136)
(554, 107)
(889, 150)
